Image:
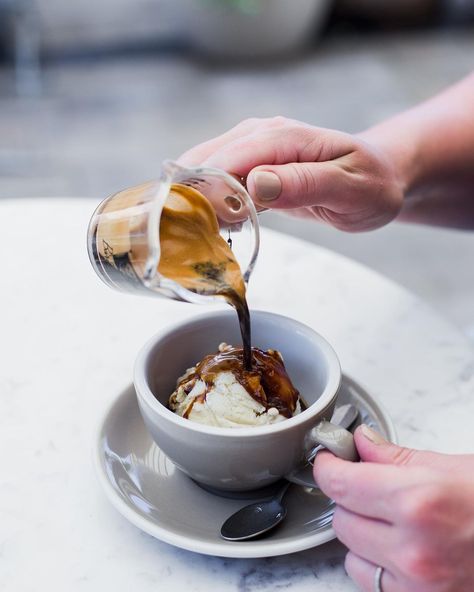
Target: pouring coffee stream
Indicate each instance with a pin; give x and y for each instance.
(195, 255)
(185, 237)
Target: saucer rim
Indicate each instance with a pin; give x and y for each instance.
(239, 550)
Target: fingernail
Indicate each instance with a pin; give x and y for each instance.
(267, 185)
(372, 435)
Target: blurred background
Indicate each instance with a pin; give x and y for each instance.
(93, 95)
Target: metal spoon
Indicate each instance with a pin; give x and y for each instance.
(258, 518)
(253, 520)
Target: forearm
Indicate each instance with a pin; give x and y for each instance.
(432, 150)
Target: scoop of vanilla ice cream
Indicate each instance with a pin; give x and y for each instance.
(226, 404)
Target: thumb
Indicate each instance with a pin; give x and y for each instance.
(295, 185)
(373, 447)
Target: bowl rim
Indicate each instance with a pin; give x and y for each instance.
(146, 397)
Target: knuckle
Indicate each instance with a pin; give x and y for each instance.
(337, 521)
(421, 564)
(249, 123)
(404, 456)
(410, 508)
(276, 121)
(303, 134)
(422, 507)
(303, 179)
(343, 527)
(336, 487)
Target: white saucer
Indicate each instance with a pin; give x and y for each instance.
(147, 489)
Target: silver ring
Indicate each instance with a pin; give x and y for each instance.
(378, 579)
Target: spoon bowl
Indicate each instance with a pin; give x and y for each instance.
(255, 519)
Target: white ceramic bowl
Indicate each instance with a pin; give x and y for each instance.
(235, 458)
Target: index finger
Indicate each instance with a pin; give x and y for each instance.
(369, 489)
(198, 154)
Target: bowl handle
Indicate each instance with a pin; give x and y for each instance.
(324, 435)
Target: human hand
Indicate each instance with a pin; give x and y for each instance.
(410, 512)
(308, 171)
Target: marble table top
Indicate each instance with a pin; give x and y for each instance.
(68, 344)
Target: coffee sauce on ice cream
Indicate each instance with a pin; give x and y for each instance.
(267, 382)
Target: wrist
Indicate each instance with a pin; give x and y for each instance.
(400, 153)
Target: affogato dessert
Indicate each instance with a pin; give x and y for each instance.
(219, 391)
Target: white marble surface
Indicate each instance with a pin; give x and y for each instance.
(67, 348)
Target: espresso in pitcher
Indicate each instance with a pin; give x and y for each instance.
(193, 253)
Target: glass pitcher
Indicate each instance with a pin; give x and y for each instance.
(124, 233)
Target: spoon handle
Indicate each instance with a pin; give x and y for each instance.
(279, 496)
